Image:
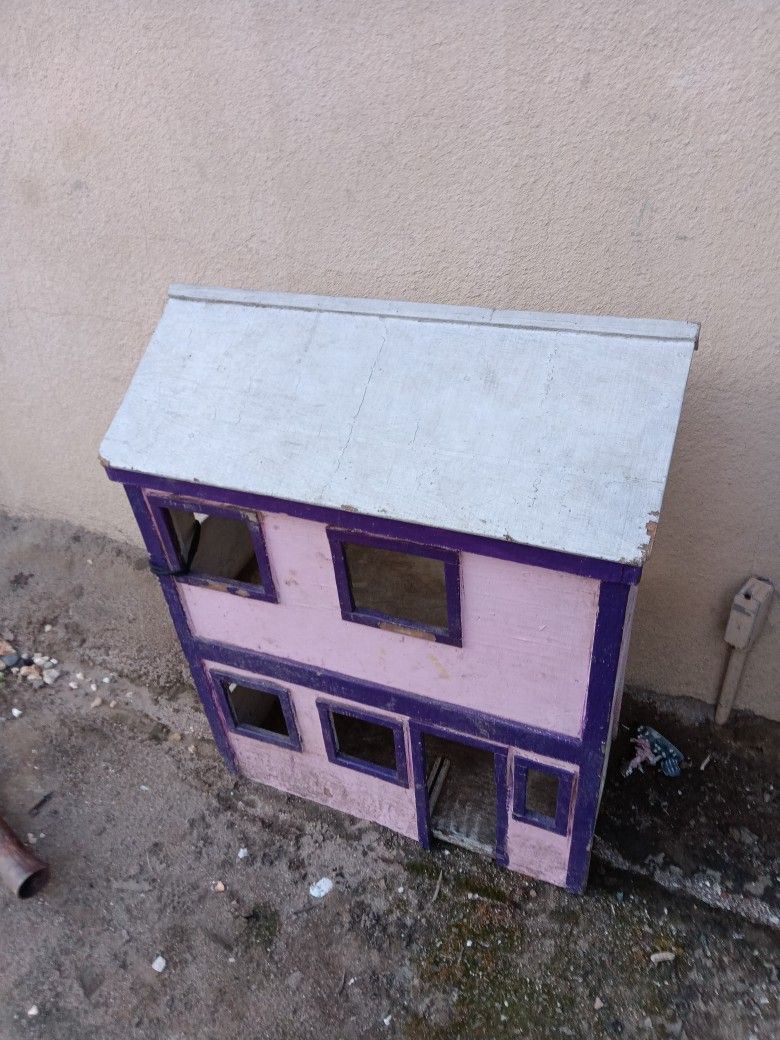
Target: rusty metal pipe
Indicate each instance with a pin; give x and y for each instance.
(20, 871)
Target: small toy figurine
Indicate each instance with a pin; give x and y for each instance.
(653, 747)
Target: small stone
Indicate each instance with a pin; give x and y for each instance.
(31, 839)
(759, 886)
(106, 679)
(48, 628)
(73, 685)
(243, 853)
(80, 676)
(387, 1020)
(17, 713)
(469, 942)
(50, 675)
(219, 886)
(159, 963)
(97, 702)
(30, 671)
(5, 648)
(54, 660)
(175, 738)
(112, 704)
(662, 957)
(320, 888)
(191, 749)
(41, 660)
(598, 1004)
(294, 979)
(32, 1011)
(93, 687)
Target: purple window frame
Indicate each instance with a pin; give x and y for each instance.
(292, 741)
(559, 824)
(399, 775)
(452, 634)
(160, 504)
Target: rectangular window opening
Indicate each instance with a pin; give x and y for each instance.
(261, 711)
(398, 586)
(364, 742)
(368, 741)
(462, 794)
(541, 793)
(222, 545)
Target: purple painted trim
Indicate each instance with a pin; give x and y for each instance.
(602, 570)
(327, 709)
(424, 710)
(419, 779)
(613, 600)
(419, 771)
(558, 824)
(168, 585)
(159, 506)
(292, 741)
(338, 537)
(501, 760)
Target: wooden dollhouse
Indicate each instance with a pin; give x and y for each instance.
(400, 544)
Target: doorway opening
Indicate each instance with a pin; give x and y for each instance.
(462, 795)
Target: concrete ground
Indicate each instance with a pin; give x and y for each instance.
(130, 803)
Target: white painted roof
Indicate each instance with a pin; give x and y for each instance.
(553, 430)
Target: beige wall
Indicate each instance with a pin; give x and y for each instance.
(603, 156)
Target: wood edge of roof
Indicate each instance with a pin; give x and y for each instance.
(604, 325)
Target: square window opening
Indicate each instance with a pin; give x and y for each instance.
(401, 586)
(216, 546)
(254, 709)
(364, 741)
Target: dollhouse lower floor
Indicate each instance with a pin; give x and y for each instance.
(428, 771)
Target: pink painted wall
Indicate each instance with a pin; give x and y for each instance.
(309, 774)
(527, 632)
(533, 850)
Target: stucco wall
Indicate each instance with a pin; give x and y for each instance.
(601, 157)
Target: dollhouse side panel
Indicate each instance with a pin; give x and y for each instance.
(527, 631)
(623, 660)
(308, 773)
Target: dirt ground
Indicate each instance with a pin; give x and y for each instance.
(130, 803)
